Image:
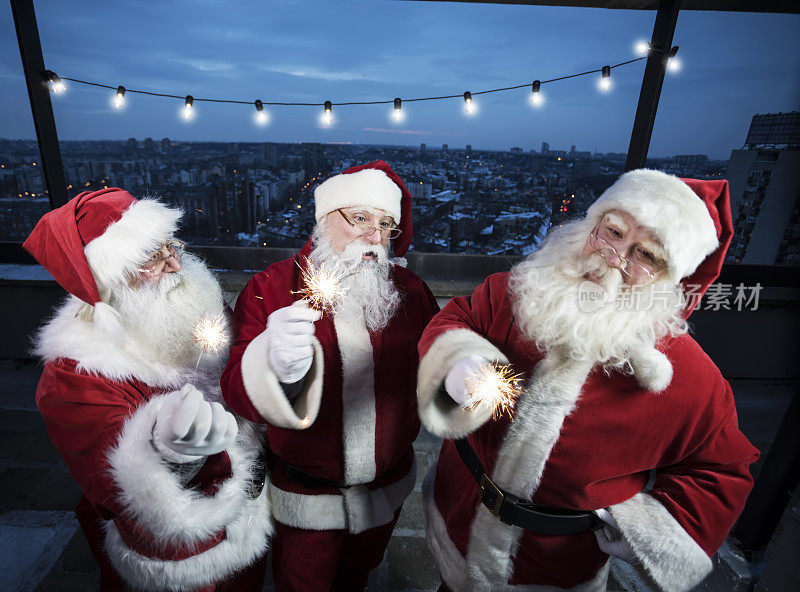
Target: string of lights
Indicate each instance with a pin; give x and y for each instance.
(57, 84)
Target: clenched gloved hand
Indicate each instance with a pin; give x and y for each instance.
(455, 383)
(189, 425)
(290, 332)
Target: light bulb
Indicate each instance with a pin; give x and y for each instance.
(326, 117)
(605, 79)
(188, 108)
(119, 98)
(261, 116)
(397, 112)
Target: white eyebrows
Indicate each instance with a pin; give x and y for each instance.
(655, 248)
(617, 220)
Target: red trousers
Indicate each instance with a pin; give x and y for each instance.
(327, 560)
(250, 579)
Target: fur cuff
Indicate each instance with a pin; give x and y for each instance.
(151, 492)
(439, 414)
(671, 557)
(245, 541)
(264, 389)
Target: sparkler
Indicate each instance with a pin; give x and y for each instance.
(322, 290)
(493, 386)
(210, 335)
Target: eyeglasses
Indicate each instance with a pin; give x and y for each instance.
(158, 259)
(641, 265)
(386, 229)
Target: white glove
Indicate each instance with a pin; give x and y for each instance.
(611, 541)
(455, 383)
(189, 425)
(290, 331)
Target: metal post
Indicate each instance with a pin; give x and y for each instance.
(776, 481)
(30, 50)
(660, 44)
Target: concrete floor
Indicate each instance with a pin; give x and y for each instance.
(41, 547)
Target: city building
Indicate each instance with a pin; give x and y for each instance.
(764, 179)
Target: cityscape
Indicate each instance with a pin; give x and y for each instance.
(465, 200)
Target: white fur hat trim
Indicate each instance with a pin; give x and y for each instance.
(367, 187)
(126, 243)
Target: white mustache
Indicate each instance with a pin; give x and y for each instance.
(354, 252)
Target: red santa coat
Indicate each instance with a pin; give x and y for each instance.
(580, 439)
(99, 406)
(355, 420)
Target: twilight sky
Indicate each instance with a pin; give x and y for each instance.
(734, 65)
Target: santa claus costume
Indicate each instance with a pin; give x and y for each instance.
(585, 435)
(342, 457)
(153, 521)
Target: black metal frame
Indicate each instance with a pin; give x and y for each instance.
(30, 50)
(660, 44)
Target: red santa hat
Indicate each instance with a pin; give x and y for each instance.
(373, 185)
(97, 240)
(682, 220)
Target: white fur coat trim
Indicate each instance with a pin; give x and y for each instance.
(68, 336)
(247, 536)
(440, 415)
(671, 557)
(154, 498)
(356, 510)
(358, 398)
(452, 565)
(266, 394)
(125, 244)
(548, 398)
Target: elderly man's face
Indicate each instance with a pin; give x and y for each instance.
(164, 260)
(347, 225)
(624, 244)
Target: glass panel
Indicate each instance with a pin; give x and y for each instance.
(491, 183)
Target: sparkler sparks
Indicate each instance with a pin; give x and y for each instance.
(494, 386)
(210, 335)
(322, 290)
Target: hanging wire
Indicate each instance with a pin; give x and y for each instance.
(322, 104)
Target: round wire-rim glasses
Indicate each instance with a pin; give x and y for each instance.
(365, 229)
(627, 266)
(158, 258)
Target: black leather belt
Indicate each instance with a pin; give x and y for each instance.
(513, 510)
(306, 480)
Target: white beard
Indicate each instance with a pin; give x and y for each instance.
(550, 293)
(160, 318)
(369, 289)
